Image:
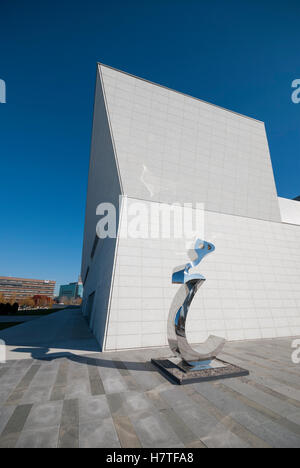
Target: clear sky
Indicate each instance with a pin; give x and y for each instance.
(239, 54)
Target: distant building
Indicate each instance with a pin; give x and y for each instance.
(41, 300)
(71, 290)
(23, 288)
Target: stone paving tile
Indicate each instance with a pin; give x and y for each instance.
(145, 374)
(269, 391)
(276, 351)
(17, 420)
(44, 415)
(273, 416)
(236, 428)
(112, 380)
(28, 377)
(5, 414)
(276, 405)
(3, 370)
(46, 375)
(154, 431)
(98, 434)
(14, 426)
(265, 377)
(9, 440)
(294, 417)
(77, 372)
(62, 373)
(179, 427)
(36, 394)
(17, 395)
(136, 402)
(204, 425)
(141, 412)
(196, 444)
(78, 389)
(157, 400)
(11, 378)
(116, 404)
(69, 426)
(220, 438)
(58, 393)
(127, 435)
(130, 381)
(277, 373)
(4, 394)
(93, 409)
(120, 399)
(268, 355)
(68, 436)
(274, 385)
(96, 383)
(256, 422)
(42, 438)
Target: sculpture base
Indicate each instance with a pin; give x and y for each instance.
(178, 372)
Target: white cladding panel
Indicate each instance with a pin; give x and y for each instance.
(252, 287)
(171, 147)
(290, 211)
(103, 186)
(159, 147)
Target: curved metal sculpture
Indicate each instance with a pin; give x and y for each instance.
(179, 311)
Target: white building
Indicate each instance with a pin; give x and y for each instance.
(160, 146)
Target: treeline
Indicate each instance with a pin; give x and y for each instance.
(27, 302)
(9, 309)
(70, 301)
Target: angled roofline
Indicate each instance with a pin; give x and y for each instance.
(179, 92)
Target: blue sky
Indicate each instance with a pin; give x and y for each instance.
(242, 55)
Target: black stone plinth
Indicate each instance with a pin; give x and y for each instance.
(176, 375)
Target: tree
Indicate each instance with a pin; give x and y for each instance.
(65, 300)
(2, 299)
(22, 302)
(8, 308)
(45, 301)
(12, 300)
(29, 302)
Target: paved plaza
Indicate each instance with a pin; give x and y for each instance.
(64, 399)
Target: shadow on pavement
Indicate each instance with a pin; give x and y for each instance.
(111, 363)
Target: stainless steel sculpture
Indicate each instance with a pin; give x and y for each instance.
(191, 359)
(189, 365)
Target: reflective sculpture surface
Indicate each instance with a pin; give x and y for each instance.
(191, 359)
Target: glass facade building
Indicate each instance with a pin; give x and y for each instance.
(71, 290)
